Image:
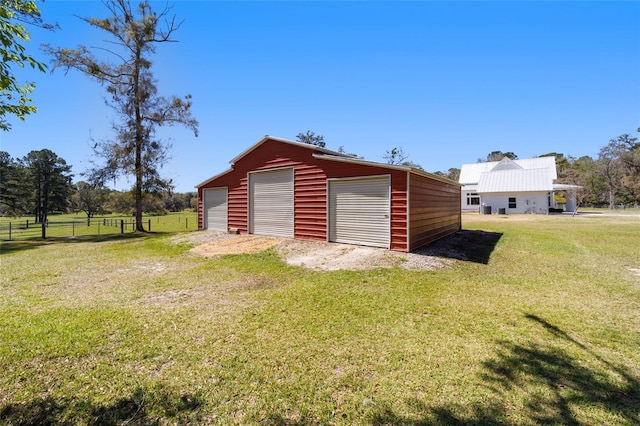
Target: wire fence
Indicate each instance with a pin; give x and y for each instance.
(20, 229)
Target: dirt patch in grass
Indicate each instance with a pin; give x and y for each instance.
(333, 256)
(235, 244)
(173, 297)
(313, 254)
(635, 271)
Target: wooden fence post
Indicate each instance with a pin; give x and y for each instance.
(9, 231)
(122, 226)
(149, 225)
(44, 231)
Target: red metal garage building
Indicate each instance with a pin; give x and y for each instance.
(291, 189)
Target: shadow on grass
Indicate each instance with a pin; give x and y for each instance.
(468, 245)
(7, 247)
(556, 384)
(440, 416)
(142, 407)
(280, 420)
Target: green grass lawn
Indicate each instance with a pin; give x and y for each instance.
(133, 329)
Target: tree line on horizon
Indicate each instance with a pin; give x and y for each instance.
(611, 179)
(41, 183)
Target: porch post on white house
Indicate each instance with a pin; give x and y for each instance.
(570, 195)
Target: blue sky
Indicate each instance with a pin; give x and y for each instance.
(448, 82)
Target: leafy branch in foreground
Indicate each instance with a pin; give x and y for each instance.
(14, 96)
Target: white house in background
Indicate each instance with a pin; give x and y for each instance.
(513, 186)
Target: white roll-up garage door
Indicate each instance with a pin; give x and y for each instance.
(215, 209)
(359, 211)
(271, 203)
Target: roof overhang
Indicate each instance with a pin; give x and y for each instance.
(354, 160)
(260, 142)
(329, 155)
(565, 187)
(287, 141)
(213, 178)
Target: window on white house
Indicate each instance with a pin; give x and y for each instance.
(512, 203)
(473, 199)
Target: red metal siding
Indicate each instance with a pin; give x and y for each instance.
(434, 210)
(310, 208)
(200, 209)
(398, 226)
(310, 187)
(399, 211)
(269, 155)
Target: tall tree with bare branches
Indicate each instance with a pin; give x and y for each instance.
(395, 156)
(124, 68)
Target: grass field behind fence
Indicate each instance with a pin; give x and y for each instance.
(134, 329)
(76, 225)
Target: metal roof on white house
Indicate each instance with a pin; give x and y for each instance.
(515, 180)
(470, 173)
(506, 164)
